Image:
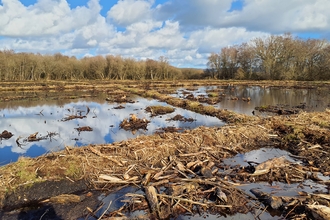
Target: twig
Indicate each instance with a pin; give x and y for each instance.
(291, 210)
(182, 199)
(193, 154)
(182, 173)
(132, 166)
(257, 216)
(105, 211)
(159, 182)
(43, 214)
(184, 207)
(104, 156)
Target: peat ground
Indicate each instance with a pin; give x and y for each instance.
(176, 173)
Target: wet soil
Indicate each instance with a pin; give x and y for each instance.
(159, 110)
(281, 110)
(62, 199)
(181, 118)
(180, 173)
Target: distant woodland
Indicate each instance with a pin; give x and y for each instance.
(28, 66)
(275, 58)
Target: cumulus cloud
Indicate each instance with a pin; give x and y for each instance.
(211, 39)
(256, 15)
(289, 16)
(185, 32)
(127, 12)
(46, 17)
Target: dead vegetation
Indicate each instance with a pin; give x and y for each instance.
(167, 160)
(159, 110)
(6, 134)
(133, 123)
(168, 129)
(181, 118)
(21, 140)
(280, 110)
(183, 172)
(84, 128)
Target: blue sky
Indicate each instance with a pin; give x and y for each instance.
(184, 31)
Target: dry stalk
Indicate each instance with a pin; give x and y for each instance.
(104, 156)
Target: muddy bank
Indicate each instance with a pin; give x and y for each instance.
(62, 199)
(180, 173)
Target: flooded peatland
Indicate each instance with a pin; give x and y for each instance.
(245, 99)
(228, 151)
(59, 123)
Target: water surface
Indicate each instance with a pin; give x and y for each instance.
(314, 99)
(47, 117)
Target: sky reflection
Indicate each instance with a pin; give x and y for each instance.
(103, 118)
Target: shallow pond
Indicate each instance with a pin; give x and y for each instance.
(279, 189)
(314, 99)
(48, 118)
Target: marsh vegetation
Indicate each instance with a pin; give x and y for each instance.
(170, 170)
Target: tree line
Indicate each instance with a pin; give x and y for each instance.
(29, 66)
(273, 58)
(277, 57)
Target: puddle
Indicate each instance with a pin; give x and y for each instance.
(101, 117)
(314, 99)
(283, 189)
(275, 188)
(115, 200)
(258, 156)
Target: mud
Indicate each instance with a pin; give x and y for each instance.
(25, 196)
(187, 173)
(181, 118)
(38, 201)
(280, 110)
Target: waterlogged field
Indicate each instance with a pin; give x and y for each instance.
(55, 130)
(49, 118)
(187, 151)
(244, 99)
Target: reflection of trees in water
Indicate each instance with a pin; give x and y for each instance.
(314, 99)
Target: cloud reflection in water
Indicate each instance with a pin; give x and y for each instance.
(103, 118)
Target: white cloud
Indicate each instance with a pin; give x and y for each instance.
(288, 16)
(257, 15)
(127, 12)
(46, 17)
(167, 37)
(185, 32)
(212, 40)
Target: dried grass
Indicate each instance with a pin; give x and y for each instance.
(164, 156)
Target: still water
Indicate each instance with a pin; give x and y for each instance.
(47, 117)
(314, 99)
